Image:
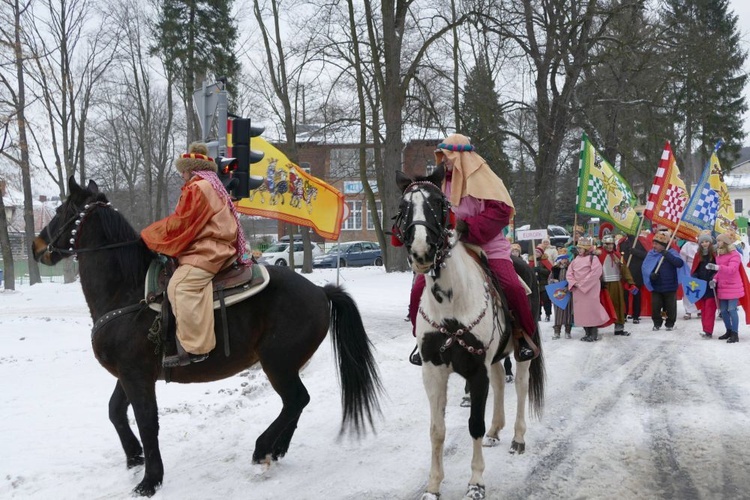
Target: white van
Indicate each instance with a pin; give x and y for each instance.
(278, 254)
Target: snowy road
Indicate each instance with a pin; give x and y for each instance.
(655, 415)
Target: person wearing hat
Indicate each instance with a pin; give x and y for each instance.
(584, 281)
(616, 278)
(730, 282)
(483, 208)
(205, 236)
(563, 317)
(708, 304)
(662, 283)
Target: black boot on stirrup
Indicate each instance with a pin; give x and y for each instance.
(414, 357)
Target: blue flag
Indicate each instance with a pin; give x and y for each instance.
(558, 293)
(694, 289)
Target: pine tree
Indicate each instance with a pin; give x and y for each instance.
(193, 39)
(706, 60)
(483, 120)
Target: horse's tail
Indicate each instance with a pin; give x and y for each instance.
(537, 375)
(358, 374)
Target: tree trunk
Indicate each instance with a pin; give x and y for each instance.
(9, 271)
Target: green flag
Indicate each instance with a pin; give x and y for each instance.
(602, 192)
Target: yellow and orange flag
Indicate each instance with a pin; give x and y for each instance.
(290, 194)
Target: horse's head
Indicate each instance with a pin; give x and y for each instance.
(424, 221)
(56, 240)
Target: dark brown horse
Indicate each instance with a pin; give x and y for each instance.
(281, 328)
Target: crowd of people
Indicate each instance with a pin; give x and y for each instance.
(621, 278)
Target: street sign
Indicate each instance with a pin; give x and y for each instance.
(531, 234)
(346, 211)
(206, 102)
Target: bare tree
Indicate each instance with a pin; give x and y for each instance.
(15, 89)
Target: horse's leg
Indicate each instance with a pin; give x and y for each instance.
(274, 442)
(118, 415)
(497, 380)
(435, 379)
(478, 387)
(142, 395)
(522, 391)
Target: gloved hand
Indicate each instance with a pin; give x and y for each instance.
(462, 228)
(712, 284)
(634, 290)
(712, 267)
(654, 277)
(664, 253)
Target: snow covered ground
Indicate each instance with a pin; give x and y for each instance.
(655, 415)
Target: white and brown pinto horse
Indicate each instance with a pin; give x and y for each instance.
(461, 327)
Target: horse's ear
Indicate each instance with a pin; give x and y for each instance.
(73, 186)
(402, 181)
(437, 176)
(93, 187)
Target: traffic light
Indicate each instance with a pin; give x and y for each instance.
(226, 168)
(242, 132)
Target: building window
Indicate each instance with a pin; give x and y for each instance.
(738, 207)
(345, 163)
(370, 221)
(354, 221)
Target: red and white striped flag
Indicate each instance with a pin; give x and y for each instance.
(668, 197)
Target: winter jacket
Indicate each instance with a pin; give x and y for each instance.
(666, 278)
(700, 271)
(728, 280)
(201, 232)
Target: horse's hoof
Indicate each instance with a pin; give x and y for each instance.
(135, 461)
(475, 492)
(490, 442)
(146, 488)
(517, 447)
(429, 496)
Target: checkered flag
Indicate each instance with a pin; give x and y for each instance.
(707, 206)
(596, 197)
(673, 203)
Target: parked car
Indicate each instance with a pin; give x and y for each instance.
(351, 253)
(278, 254)
(558, 236)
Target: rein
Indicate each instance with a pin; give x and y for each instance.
(442, 227)
(78, 220)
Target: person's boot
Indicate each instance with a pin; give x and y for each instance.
(733, 338)
(726, 335)
(595, 334)
(620, 330)
(556, 335)
(567, 332)
(415, 358)
(587, 337)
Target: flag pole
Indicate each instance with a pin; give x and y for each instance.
(669, 243)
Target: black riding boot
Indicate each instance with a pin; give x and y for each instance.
(733, 338)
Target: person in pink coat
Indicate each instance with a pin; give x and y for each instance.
(584, 281)
(728, 283)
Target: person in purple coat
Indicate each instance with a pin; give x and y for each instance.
(728, 283)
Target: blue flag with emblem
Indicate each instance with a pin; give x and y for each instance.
(558, 293)
(694, 288)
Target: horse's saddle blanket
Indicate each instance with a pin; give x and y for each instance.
(479, 252)
(237, 282)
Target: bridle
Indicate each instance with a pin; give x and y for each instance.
(77, 218)
(439, 224)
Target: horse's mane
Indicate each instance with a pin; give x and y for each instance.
(132, 259)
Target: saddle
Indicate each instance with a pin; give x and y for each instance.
(230, 286)
(524, 348)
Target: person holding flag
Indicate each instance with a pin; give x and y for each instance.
(584, 281)
(616, 279)
(660, 278)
